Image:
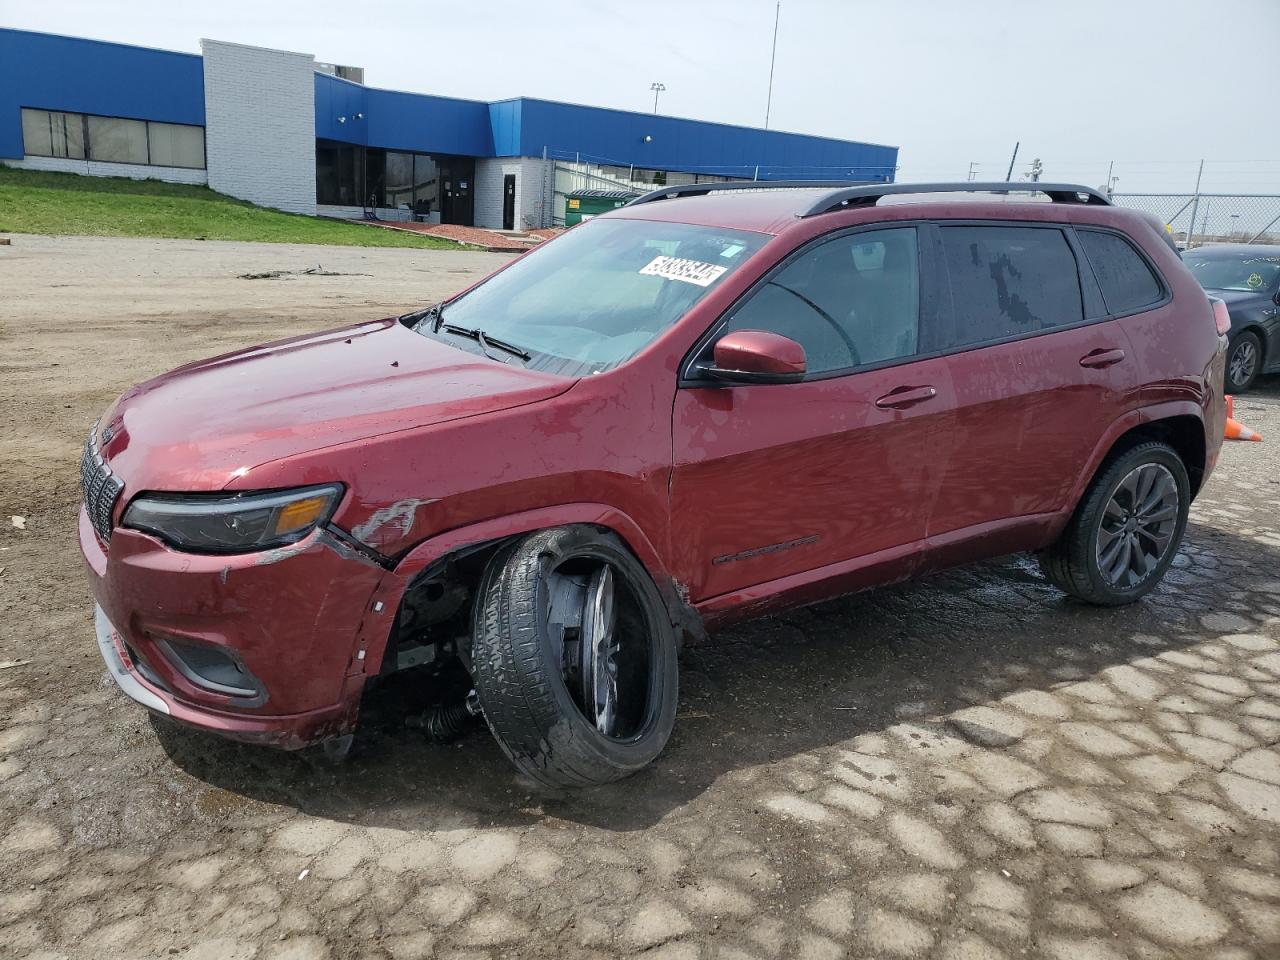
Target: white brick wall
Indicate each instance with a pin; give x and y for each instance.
(260, 125)
(95, 168)
(531, 185)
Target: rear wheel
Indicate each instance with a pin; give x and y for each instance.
(1127, 529)
(574, 658)
(1244, 361)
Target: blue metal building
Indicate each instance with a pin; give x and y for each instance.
(279, 129)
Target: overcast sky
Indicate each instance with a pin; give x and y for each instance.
(1154, 85)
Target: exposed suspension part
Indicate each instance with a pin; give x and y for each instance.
(448, 721)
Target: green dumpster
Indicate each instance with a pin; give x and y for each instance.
(585, 204)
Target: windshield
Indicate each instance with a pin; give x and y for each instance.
(1245, 272)
(595, 296)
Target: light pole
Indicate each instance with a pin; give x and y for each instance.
(657, 88)
(773, 58)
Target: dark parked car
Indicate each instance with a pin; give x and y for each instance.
(1247, 278)
(709, 405)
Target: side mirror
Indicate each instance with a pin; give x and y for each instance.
(756, 356)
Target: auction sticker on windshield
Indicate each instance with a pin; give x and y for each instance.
(686, 271)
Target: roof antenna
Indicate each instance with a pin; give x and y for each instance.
(1009, 175)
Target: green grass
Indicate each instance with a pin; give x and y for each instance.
(68, 204)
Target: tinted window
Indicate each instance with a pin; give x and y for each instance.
(176, 145)
(849, 301)
(117, 141)
(1126, 280)
(399, 180)
(426, 184)
(1007, 282)
(53, 134)
(37, 138)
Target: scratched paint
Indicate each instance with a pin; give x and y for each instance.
(389, 523)
(268, 557)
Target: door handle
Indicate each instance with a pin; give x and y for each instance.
(905, 397)
(1101, 358)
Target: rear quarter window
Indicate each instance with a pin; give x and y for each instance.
(1127, 282)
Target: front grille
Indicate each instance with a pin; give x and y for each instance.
(101, 486)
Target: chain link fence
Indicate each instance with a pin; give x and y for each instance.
(1218, 217)
(1211, 217)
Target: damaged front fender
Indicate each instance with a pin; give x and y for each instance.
(376, 636)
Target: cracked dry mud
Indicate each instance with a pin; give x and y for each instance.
(965, 767)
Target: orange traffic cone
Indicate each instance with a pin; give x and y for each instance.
(1235, 429)
(1238, 431)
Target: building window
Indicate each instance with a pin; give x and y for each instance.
(78, 136)
(354, 176)
(118, 141)
(426, 184)
(176, 145)
(399, 173)
(373, 190)
(48, 133)
(337, 173)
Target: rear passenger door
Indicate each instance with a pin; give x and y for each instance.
(1039, 370)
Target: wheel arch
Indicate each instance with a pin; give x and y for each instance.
(481, 540)
(1179, 424)
(1267, 338)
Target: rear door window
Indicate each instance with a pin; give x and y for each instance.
(1006, 282)
(1127, 282)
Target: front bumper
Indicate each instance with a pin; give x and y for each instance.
(265, 648)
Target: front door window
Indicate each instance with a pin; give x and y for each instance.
(849, 302)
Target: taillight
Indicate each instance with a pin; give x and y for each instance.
(1221, 318)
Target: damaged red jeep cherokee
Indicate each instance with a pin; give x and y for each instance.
(713, 403)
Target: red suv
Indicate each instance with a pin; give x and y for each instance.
(716, 402)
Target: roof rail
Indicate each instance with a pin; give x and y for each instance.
(702, 189)
(870, 194)
(853, 193)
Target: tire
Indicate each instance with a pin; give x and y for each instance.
(520, 648)
(1244, 361)
(1075, 564)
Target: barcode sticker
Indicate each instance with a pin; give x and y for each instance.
(686, 271)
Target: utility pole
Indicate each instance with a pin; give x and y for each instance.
(1195, 205)
(1009, 176)
(773, 57)
(1111, 165)
(972, 164)
(657, 88)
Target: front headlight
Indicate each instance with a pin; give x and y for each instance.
(233, 523)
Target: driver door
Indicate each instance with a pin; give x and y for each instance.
(776, 480)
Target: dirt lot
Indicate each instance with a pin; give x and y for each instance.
(962, 768)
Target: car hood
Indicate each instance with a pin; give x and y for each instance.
(202, 426)
(1234, 298)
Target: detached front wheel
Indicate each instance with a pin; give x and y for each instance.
(574, 658)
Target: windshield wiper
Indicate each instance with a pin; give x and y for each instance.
(485, 341)
(419, 317)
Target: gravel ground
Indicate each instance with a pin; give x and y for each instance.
(965, 767)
